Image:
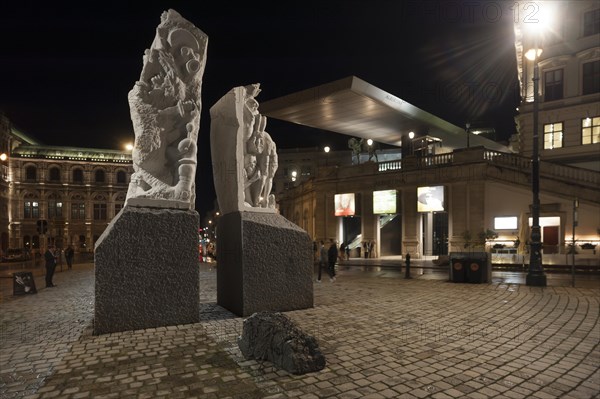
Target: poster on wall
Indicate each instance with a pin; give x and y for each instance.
(344, 204)
(384, 202)
(430, 199)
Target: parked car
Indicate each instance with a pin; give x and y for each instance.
(16, 255)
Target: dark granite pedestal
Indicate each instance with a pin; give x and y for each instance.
(264, 263)
(147, 270)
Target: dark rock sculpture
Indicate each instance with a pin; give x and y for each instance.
(274, 337)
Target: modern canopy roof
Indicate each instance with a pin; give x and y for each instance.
(356, 108)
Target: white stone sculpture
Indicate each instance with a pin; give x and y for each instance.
(165, 111)
(244, 155)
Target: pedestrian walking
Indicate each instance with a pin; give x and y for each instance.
(342, 251)
(69, 253)
(322, 260)
(332, 255)
(50, 266)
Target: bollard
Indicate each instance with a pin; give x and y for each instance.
(407, 275)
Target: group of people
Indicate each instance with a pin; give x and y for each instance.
(327, 258)
(52, 257)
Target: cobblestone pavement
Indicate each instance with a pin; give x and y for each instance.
(383, 337)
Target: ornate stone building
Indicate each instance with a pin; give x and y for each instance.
(57, 195)
(568, 36)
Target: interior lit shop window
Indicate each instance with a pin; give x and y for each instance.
(553, 135)
(590, 130)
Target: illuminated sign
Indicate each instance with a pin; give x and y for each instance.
(344, 204)
(430, 199)
(384, 202)
(505, 223)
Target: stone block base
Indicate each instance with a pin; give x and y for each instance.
(264, 263)
(147, 270)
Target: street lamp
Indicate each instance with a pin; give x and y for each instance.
(326, 149)
(535, 275)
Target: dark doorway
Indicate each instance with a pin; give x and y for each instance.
(390, 235)
(351, 227)
(440, 234)
(550, 239)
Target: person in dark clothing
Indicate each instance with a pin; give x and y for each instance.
(50, 266)
(322, 260)
(332, 255)
(69, 253)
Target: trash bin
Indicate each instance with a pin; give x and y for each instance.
(457, 271)
(470, 267)
(23, 283)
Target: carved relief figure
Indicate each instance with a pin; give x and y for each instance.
(259, 144)
(165, 111)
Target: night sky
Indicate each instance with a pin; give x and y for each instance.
(65, 71)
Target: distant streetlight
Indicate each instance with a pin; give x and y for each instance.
(217, 213)
(369, 142)
(411, 135)
(129, 147)
(210, 222)
(326, 149)
(3, 157)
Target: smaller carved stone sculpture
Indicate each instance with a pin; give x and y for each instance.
(274, 337)
(244, 154)
(165, 111)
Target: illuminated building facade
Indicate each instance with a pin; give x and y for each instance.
(58, 195)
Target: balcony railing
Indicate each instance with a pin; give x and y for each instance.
(521, 163)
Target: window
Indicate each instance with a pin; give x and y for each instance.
(590, 130)
(553, 135)
(54, 174)
(591, 77)
(31, 173)
(121, 177)
(77, 175)
(591, 22)
(553, 85)
(505, 223)
(99, 176)
(99, 211)
(54, 209)
(78, 210)
(32, 210)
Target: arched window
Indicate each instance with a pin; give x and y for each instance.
(121, 177)
(77, 175)
(31, 173)
(99, 176)
(54, 174)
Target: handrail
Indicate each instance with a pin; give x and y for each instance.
(550, 169)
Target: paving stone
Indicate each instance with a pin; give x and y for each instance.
(383, 338)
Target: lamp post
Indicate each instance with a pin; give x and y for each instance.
(535, 275)
(327, 149)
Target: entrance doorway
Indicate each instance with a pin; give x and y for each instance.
(550, 239)
(390, 235)
(350, 234)
(434, 235)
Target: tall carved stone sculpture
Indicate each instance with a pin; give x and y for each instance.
(146, 261)
(265, 261)
(165, 110)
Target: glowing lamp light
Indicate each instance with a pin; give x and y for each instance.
(532, 54)
(129, 147)
(411, 135)
(3, 157)
(370, 142)
(326, 149)
(210, 222)
(294, 173)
